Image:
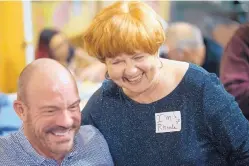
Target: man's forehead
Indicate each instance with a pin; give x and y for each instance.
(51, 77)
(47, 79)
(53, 99)
(52, 104)
(51, 91)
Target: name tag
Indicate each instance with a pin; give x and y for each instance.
(168, 122)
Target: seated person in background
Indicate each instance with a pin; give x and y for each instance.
(234, 71)
(155, 111)
(186, 43)
(48, 105)
(54, 44)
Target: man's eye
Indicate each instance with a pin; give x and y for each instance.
(74, 108)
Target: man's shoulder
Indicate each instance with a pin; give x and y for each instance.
(88, 130)
(90, 137)
(6, 142)
(88, 133)
(8, 151)
(93, 146)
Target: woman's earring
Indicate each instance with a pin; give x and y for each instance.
(107, 76)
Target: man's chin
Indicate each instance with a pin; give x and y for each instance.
(62, 147)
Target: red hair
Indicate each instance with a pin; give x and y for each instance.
(124, 27)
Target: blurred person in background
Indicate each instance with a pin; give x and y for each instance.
(186, 43)
(55, 45)
(234, 71)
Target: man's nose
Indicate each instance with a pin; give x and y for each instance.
(64, 119)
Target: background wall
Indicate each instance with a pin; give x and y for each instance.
(12, 55)
(71, 17)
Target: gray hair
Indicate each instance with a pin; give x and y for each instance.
(184, 35)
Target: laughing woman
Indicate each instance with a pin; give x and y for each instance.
(156, 111)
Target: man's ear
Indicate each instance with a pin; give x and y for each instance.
(20, 109)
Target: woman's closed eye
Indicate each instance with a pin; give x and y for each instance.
(138, 57)
(116, 62)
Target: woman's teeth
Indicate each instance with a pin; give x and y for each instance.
(135, 79)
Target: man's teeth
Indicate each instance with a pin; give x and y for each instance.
(60, 133)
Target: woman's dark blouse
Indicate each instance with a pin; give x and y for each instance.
(212, 132)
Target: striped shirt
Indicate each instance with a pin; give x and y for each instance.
(90, 149)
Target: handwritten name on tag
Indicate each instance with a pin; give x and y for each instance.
(168, 121)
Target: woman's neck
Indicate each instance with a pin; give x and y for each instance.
(167, 79)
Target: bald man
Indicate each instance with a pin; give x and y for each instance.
(48, 105)
(186, 43)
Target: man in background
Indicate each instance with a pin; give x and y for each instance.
(186, 43)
